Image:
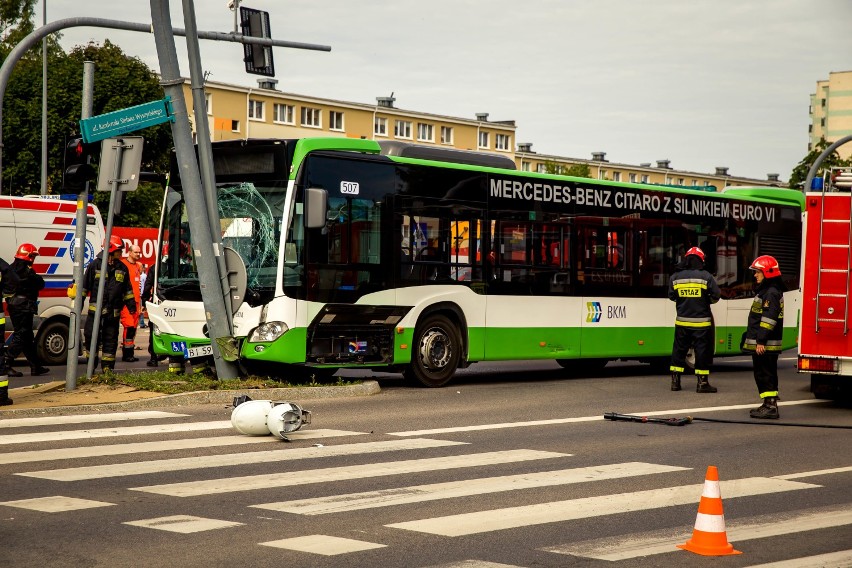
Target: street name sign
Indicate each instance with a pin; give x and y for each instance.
(126, 120)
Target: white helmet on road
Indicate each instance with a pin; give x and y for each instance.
(250, 417)
(286, 417)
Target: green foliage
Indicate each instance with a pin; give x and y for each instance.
(575, 170)
(800, 172)
(120, 81)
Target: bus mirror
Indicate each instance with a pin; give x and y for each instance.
(316, 207)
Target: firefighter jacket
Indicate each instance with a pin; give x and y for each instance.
(21, 286)
(693, 290)
(118, 291)
(766, 318)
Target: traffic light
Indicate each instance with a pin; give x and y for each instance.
(258, 58)
(78, 168)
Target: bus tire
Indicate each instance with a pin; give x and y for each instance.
(582, 367)
(52, 343)
(436, 352)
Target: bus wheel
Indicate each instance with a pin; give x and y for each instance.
(436, 353)
(583, 366)
(52, 343)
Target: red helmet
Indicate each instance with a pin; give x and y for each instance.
(697, 252)
(766, 265)
(115, 243)
(27, 251)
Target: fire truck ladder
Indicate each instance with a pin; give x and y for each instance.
(830, 291)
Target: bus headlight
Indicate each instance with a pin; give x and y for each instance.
(269, 331)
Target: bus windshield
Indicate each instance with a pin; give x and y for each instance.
(250, 223)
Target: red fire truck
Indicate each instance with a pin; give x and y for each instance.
(825, 337)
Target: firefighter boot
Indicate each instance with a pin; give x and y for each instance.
(127, 355)
(675, 381)
(9, 370)
(36, 370)
(769, 409)
(704, 385)
(4, 395)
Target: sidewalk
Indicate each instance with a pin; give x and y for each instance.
(50, 396)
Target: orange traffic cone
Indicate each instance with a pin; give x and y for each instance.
(709, 537)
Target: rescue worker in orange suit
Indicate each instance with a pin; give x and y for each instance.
(21, 294)
(131, 321)
(764, 333)
(693, 290)
(117, 293)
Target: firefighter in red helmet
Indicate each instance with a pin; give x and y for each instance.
(765, 332)
(20, 288)
(693, 290)
(118, 293)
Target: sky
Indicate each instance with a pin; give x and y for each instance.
(702, 83)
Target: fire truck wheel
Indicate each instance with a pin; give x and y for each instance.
(52, 343)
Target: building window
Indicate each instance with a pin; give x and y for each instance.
(694, 182)
(446, 135)
(235, 126)
(502, 142)
(525, 166)
(540, 169)
(335, 120)
(483, 139)
(822, 122)
(680, 181)
(425, 132)
(631, 178)
(402, 129)
(283, 113)
(255, 109)
(311, 117)
(380, 126)
(208, 103)
(644, 178)
(616, 176)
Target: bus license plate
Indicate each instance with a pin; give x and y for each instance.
(203, 351)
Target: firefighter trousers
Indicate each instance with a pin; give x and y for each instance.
(766, 373)
(108, 338)
(698, 338)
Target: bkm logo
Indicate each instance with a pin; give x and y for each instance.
(594, 312)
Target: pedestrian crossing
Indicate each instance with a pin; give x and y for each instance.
(56, 475)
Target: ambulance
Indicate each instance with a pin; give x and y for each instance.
(49, 222)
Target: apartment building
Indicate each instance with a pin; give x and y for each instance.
(235, 112)
(831, 111)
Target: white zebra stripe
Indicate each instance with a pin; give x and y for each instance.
(304, 477)
(84, 418)
(65, 435)
(557, 511)
(226, 460)
(464, 488)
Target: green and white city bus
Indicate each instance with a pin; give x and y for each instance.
(406, 258)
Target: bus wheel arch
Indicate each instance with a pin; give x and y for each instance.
(438, 347)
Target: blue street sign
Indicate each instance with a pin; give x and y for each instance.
(126, 120)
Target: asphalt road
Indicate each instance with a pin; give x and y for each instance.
(511, 465)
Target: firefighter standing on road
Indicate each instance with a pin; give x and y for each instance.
(117, 293)
(693, 289)
(764, 333)
(21, 290)
(4, 374)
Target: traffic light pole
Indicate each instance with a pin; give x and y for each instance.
(34, 37)
(79, 245)
(218, 318)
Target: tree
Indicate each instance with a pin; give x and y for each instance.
(574, 170)
(120, 81)
(800, 172)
